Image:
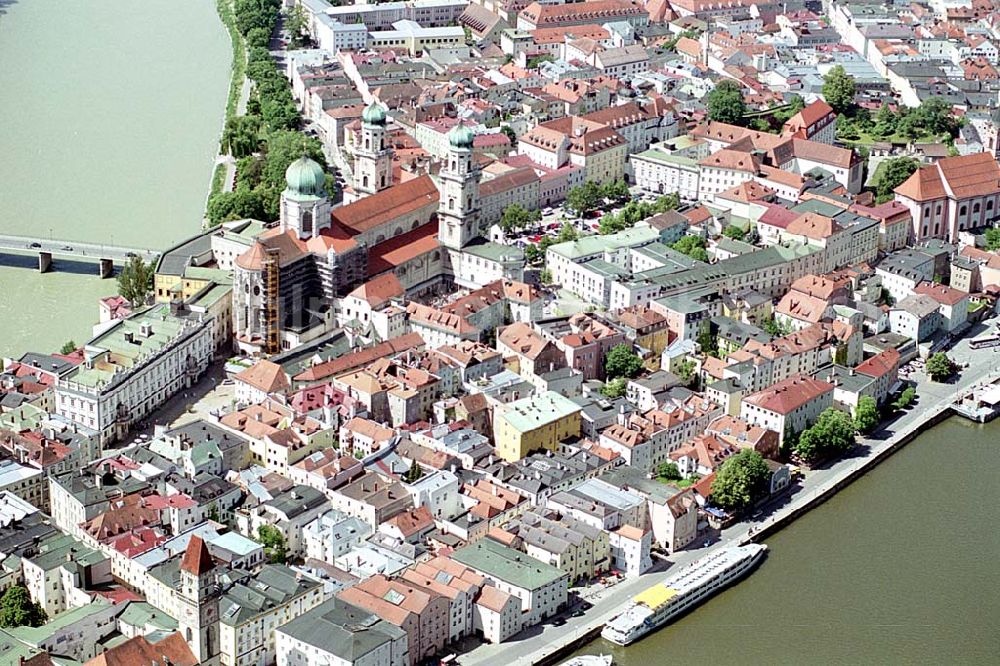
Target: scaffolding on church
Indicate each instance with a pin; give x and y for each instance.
(272, 270)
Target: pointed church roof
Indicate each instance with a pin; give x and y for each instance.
(197, 559)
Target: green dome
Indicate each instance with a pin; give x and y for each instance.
(461, 137)
(305, 176)
(373, 114)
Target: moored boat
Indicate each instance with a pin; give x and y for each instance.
(661, 603)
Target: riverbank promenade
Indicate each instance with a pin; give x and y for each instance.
(548, 643)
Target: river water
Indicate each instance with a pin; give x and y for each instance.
(111, 112)
(898, 568)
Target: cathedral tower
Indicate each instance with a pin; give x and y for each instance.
(458, 211)
(372, 159)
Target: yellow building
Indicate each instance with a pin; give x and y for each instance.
(531, 424)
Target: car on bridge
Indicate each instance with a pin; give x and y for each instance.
(66, 248)
(34, 245)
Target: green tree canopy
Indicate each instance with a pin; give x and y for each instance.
(833, 433)
(567, 233)
(274, 544)
(685, 370)
(515, 217)
(68, 347)
(669, 471)
(905, 398)
(866, 414)
(993, 239)
(940, 367)
(839, 89)
(414, 473)
(18, 610)
(692, 246)
(135, 282)
(885, 122)
(734, 232)
(616, 190)
(297, 25)
(707, 340)
(614, 388)
(242, 204)
(892, 173)
(621, 361)
(740, 481)
(584, 198)
(725, 103)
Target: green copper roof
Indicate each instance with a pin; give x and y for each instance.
(305, 176)
(461, 137)
(373, 114)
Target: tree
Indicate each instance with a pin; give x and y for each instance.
(734, 232)
(545, 276)
(685, 371)
(905, 398)
(621, 361)
(725, 103)
(509, 131)
(515, 217)
(18, 610)
(567, 233)
(940, 367)
(242, 204)
(892, 173)
(414, 473)
(771, 326)
(669, 471)
(885, 122)
(616, 190)
(296, 23)
(584, 198)
(832, 433)
(840, 355)
(240, 137)
(68, 347)
(614, 388)
(135, 282)
(740, 481)
(274, 543)
(839, 89)
(692, 246)
(993, 239)
(866, 414)
(667, 202)
(706, 339)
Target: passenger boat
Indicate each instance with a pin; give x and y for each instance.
(661, 603)
(589, 660)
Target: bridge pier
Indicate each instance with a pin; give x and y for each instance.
(105, 268)
(44, 262)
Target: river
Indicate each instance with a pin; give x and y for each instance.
(111, 115)
(899, 567)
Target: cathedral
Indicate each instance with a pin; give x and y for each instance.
(426, 231)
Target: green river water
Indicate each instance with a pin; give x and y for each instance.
(898, 568)
(111, 112)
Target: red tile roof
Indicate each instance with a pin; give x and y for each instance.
(264, 375)
(396, 251)
(197, 559)
(387, 205)
(788, 395)
(138, 650)
(880, 364)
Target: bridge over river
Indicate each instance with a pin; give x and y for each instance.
(103, 254)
